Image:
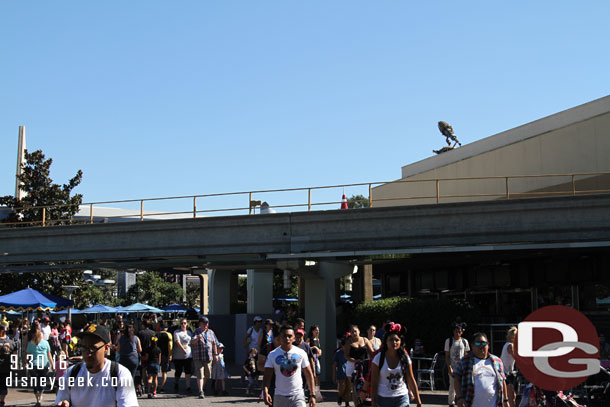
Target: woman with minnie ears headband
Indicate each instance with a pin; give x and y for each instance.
(391, 371)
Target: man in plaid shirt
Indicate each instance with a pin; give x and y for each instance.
(479, 377)
(204, 346)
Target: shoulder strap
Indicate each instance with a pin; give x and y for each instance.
(114, 372)
(74, 372)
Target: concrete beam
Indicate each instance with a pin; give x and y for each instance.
(260, 291)
(542, 220)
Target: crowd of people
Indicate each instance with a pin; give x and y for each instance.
(375, 369)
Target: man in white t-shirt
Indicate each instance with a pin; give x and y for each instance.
(479, 377)
(455, 349)
(287, 362)
(98, 381)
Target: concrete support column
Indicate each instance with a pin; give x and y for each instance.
(363, 284)
(321, 310)
(260, 291)
(220, 292)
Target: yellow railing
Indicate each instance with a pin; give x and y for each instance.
(437, 185)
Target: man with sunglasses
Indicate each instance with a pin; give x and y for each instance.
(93, 380)
(479, 377)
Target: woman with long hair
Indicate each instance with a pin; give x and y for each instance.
(40, 361)
(391, 371)
(508, 359)
(357, 351)
(313, 340)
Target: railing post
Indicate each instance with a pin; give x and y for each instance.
(141, 210)
(44, 215)
(309, 200)
(91, 213)
(507, 190)
(250, 203)
(194, 207)
(370, 196)
(438, 188)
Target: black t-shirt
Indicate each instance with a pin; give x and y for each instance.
(153, 354)
(163, 342)
(307, 349)
(145, 336)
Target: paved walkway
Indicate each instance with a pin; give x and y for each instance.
(237, 397)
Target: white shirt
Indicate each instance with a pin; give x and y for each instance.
(484, 383)
(254, 334)
(457, 350)
(391, 381)
(507, 359)
(287, 367)
(46, 332)
(97, 389)
(185, 339)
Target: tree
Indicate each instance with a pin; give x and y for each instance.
(152, 289)
(41, 191)
(192, 294)
(357, 201)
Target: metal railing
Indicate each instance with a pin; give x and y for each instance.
(506, 190)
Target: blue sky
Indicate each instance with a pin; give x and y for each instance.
(154, 98)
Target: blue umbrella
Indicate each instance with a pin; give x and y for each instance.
(174, 308)
(65, 312)
(139, 307)
(99, 309)
(29, 299)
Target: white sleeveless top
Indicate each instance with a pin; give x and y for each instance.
(507, 359)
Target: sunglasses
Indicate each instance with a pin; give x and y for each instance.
(478, 343)
(87, 350)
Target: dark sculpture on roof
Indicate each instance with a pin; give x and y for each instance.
(447, 131)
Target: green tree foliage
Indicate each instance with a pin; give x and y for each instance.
(357, 201)
(41, 191)
(427, 318)
(192, 295)
(153, 290)
(278, 286)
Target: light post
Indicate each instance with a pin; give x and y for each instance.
(69, 289)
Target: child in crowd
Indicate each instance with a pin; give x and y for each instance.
(152, 367)
(219, 372)
(251, 372)
(340, 377)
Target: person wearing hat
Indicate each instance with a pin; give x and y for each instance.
(96, 380)
(204, 346)
(7, 348)
(46, 328)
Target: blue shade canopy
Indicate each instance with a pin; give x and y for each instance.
(99, 309)
(65, 312)
(29, 299)
(139, 307)
(174, 308)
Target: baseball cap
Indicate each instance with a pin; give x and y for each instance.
(46, 318)
(96, 330)
(301, 332)
(220, 345)
(258, 319)
(204, 319)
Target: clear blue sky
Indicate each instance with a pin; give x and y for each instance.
(154, 98)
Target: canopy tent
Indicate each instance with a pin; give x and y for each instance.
(139, 307)
(174, 308)
(65, 312)
(29, 299)
(99, 309)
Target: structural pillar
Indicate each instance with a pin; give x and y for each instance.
(220, 292)
(321, 308)
(260, 291)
